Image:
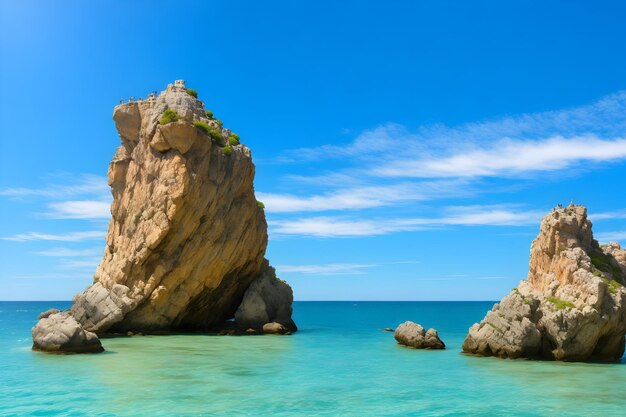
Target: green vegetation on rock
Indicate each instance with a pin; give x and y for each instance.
(612, 286)
(209, 114)
(603, 262)
(227, 150)
(202, 126)
(216, 136)
(560, 304)
(260, 204)
(192, 93)
(233, 139)
(169, 116)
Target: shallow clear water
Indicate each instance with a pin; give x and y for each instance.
(340, 364)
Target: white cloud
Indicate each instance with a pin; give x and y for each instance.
(362, 197)
(326, 269)
(461, 216)
(610, 215)
(88, 263)
(509, 158)
(62, 252)
(80, 209)
(605, 118)
(53, 276)
(79, 184)
(616, 236)
(65, 237)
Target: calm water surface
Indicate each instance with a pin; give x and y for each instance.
(341, 363)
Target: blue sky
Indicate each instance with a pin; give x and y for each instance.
(404, 150)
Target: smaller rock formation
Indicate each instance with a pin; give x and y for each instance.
(267, 300)
(413, 335)
(573, 304)
(275, 328)
(59, 332)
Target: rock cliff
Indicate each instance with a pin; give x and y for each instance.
(187, 238)
(572, 306)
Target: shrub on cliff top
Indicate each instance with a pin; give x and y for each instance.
(209, 114)
(192, 93)
(169, 116)
(233, 139)
(260, 204)
(227, 150)
(202, 126)
(216, 136)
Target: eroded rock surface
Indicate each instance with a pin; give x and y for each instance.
(267, 300)
(61, 333)
(413, 335)
(187, 237)
(572, 305)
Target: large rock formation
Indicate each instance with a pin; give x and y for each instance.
(187, 237)
(571, 307)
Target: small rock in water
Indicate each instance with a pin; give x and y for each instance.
(61, 333)
(413, 335)
(274, 328)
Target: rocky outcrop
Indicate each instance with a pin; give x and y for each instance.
(572, 305)
(187, 237)
(61, 333)
(413, 335)
(267, 300)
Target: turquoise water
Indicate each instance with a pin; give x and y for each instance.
(340, 364)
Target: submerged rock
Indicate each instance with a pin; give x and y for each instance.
(413, 335)
(571, 307)
(187, 237)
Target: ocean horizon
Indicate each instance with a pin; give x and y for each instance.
(340, 362)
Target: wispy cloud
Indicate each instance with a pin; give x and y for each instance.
(87, 263)
(362, 197)
(54, 276)
(65, 237)
(616, 236)
(609, 215)
(327, 226)
(392, 165)
(62, 252)
(327, 269)
(73, 185)
(509, 158)
(603, 119)
(80, 209)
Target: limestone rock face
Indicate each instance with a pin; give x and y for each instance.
(571, 307)
(187, 237)
(413, 335)
(61, 333)
(267, 300)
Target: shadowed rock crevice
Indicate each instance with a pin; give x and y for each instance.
(572, 305)
(186, 240)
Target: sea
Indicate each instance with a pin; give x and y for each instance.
(340, 363)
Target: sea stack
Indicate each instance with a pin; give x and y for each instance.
(571, 307)
(187, 237)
